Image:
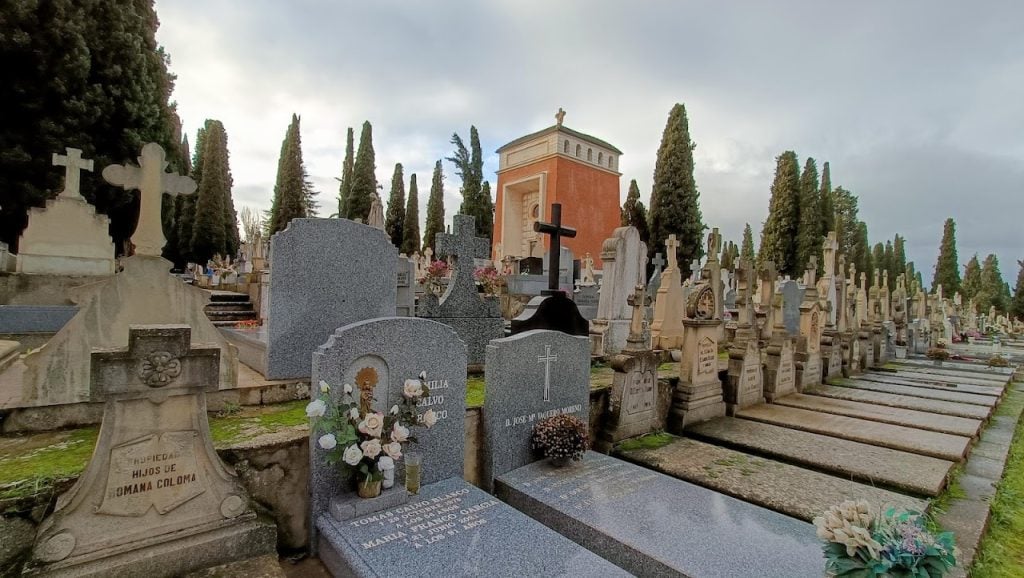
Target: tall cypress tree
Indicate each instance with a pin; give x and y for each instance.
(209, 233)
(364, 179)
(862, 250)
(899, 257)
(394, 221)
(469, 165)
(947, 267)
(291, 186)
(889, 260)
(232, 241)
(185, 205)
(345, 188)
(634, 213)
(1017, 302)
(62, 84)
(972, 278)
(991, 292)
(747, 251)
(877, 260)
(846, 219)
(826, 204)
(435, 208)
(675, 205)
(779, 235)
(411, 224)
(809, 235)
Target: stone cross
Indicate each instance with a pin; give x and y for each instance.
(560, 116)
(875, 283)
(465, 246)
(72, 163)
(546, 359)
(659, 262)
(695, 270)
(638, 301)
(151, 180)
(557, 231)
(671, 246)
(714, 245)
(811, 274)
(829, 249)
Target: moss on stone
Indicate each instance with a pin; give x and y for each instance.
(475, 391)
(31, 465)
(650, 441)
(256, 420)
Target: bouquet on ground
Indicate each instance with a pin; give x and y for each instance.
(896, 543)
(364, 441)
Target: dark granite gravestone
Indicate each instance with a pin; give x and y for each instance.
(586, 298)
(792, 297)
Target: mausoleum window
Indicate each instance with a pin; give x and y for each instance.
(590, 154)
(565, 147)
(578, 149)
(600, 157)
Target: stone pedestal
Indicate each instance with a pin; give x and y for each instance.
(66, 238)
(808, 369)
(698, 396)
(638, 403)
(780, 370)
(746, 386)
(608, 336)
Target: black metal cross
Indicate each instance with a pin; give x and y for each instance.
(557, 231)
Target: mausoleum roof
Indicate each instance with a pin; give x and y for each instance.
(566, 130)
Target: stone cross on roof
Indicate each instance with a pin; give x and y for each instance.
(72, 163)
(465, 246)
(149, 177)
(557, 231)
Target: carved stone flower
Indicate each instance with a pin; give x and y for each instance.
(159, 368)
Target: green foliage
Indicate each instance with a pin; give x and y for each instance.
(779, 235)
(990, 288)
(87, 75)
(972, 278)
(364, 178)
(651, 441)
(394, 221)
(469, 166)
(846, 220)
(888, 258)
(826, 203)
(345, 187)
(435, 208)
(877, 261)
(411, 224)
(862, 250)
(475, 391)
(1017, 302)
(947, 267)
(730, 252)
(899, 259)
(209, 232)
(292, 183)
(809, 232)
(675, 205)
(634, 213)
(747, 250)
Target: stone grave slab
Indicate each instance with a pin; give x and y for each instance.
(325, 273)
(792, 297)
(904, 401)
(932, 377)
(979, 372)
(155, 499)
(873, 465)
(918, 419)
(645, 521)
(925, 392)
(893, 380)
(969, 368)
(939, 445)
(791, 490)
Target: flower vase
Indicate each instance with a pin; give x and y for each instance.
(559, 462)
(369, 487)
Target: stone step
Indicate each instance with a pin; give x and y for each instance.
(929, 443)
(238, 315)
(227, 296)
(894, 379)
(897, 416)
(925, 392)
(951, 379)
(792, 490)
(917, 474)
(904, 401)
(230, 306)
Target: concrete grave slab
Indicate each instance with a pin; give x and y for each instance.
(904, 401)
(925, 392)
(892, 379)
(897, 416)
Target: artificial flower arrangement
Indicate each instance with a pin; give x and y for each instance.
(488, 279)
(859, 544)
(561, 438)
(365, 442)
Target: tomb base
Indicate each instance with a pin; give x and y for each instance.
(808, 370)
(639, 402)
(608, 336)
(694, 404)
(779, 371)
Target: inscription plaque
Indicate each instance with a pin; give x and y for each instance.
(707, 356)
(154, 471)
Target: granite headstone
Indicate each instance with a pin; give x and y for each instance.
(792, 297)
(405, 301)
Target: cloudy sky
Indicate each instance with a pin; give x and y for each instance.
(917, 105)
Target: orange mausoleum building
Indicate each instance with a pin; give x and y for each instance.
(556, 165)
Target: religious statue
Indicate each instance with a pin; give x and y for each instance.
(587, 274)
(376, 217)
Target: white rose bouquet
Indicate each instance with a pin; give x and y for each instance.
(365, 441)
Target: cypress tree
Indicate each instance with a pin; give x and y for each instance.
(364, 179)
(291, 186)
(394, 221)
(877, 260)
(809, 235)
(486, 211)
(779, 235)
(889, 258)
(232, 240)
(972, 278)
(826, 204)
(1017, 303)
(469, 165)
(411, 223)
(862, 250)
(209, 232)
(991, 290)
(899, 257)
(634, 213)
(435, 208)
(947, 267)
(846, 219)
(675, 205)
(63, 84)
(345, 188)
(747, 251)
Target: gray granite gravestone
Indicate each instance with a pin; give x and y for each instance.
(155, 499)
(325, 273)
(586, 298)
(476, 318)
(792, 297)
(450, 528)
(405, 301)
(638, 402)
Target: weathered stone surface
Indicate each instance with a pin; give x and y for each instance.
(953, 366)
(940, 445)
(259, 567)
(904, 401)
(638, 402)
(859, 461)
(15, 319)
(896, 380)
(792, 490)
(16, 537)
(937, 378)
(880, 413)
(654, 525)
(925, 392)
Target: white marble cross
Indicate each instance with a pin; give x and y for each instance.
(73, 163)
(546, 359)
(149, 177)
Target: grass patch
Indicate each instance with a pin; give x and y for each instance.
(25, 471)
(475, 391)
(651, 441)
(253, 421)
(953, 491)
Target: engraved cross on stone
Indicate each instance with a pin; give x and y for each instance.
(464, 245)
(151, 180)
(72, 163)
(546, 359)
(557, 231)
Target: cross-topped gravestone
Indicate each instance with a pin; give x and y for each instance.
(72, 163)
(639, 301)
(556, 231)
(811, 273)
(829, 249)
(695, 270)
(155, 494)
(151, 180)
(667, 325)
(464, 246)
